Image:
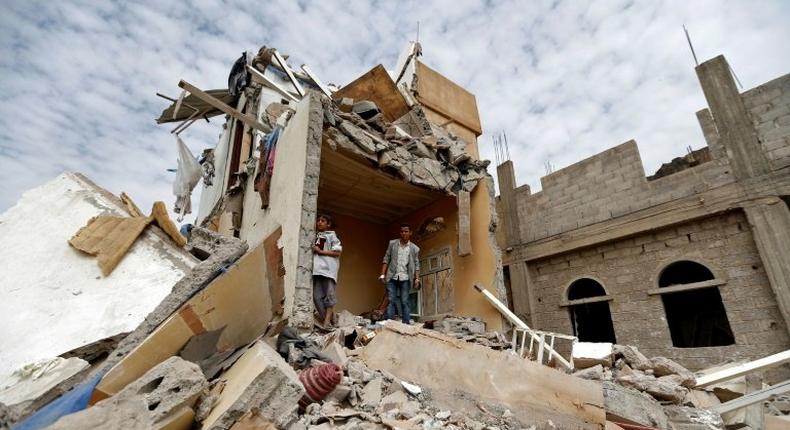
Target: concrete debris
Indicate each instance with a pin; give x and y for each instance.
(588, 354)
(162, 397)
(685, 418)
(261, 379)
(664, 367)
(417, 152)
(469, 329)
(632, 407)
(595, 373)
(632, 357)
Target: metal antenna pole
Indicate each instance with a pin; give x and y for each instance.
(694, 54)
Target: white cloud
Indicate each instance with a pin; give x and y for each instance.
(566, 80)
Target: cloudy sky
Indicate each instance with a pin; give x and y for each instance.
(565, 80)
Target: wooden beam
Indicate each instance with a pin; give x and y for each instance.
(288, 72)
(202, 95)
(752, 398)
(686, 287)
(742, 369)
(314, 78)
(260, 77)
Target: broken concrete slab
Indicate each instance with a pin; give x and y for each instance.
(632, 407)
(658, 388)
(589, 354)
(67, 301)
(260, 379)
(632, 356)
(161, 399)
(594, 373)
(663, 366)
(336, 352)
(236, 303)
(702, 399)
(371, 394)
(534, 392)
(685, 418)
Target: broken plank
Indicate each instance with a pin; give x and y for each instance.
(742, 369)
(202, 95)
(260, 77)
(162, 219)
(131, 207)
(284, 65)
(752, 398)
(316, 81)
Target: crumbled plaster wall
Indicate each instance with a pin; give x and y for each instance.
(629, 268)
(294, 190)
(55, 298)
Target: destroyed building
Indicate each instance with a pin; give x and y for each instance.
(386, 149)
(224, 337)
(692, 263)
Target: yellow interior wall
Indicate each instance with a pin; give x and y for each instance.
(364, 245)
(477, 268)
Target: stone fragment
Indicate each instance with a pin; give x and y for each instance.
(358, 372)
(419, 149)
(594, 373)
(358, 137)
(371, 394)
(165, 393)
(415, 123)
(452, 324)
(396, 400)
(685, 418)
(632, 357)
(339, 394)
(663, 366)
(701, 399)
(346, 104)
(259, 379)
(346, 319)
(342, 143)
(660, 389)
(443, 415)
(589, 354)
(630, 406)
(335, 352)
(131, 414)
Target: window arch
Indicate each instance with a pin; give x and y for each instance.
(588, 305)
(693, 306)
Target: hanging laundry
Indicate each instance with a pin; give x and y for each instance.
(189, 173)
(266, 165)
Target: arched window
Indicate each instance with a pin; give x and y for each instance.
(693, 306)
(588, 305)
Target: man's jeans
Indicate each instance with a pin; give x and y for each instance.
(398, 294)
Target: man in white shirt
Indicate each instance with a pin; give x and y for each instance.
(399, 271)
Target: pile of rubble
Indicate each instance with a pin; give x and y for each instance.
(647, 391)
(470, 329)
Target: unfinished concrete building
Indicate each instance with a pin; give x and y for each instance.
(394, 147)
(692, 263)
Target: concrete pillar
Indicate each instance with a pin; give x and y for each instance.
(735, 128)
(506, 176)
(520, 286)
(770, 222)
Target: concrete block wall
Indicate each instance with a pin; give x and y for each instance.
(630, 267)
(606, 186)
(768, 107)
